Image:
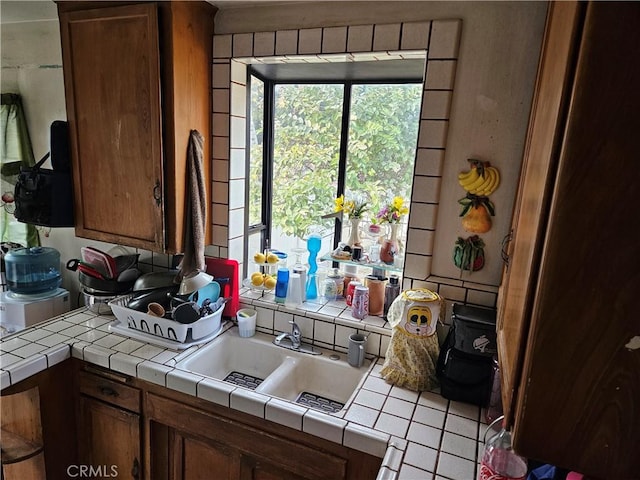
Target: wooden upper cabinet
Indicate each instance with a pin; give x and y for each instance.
(137, 81)
(568, 325)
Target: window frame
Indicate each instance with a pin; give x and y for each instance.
(268, 143)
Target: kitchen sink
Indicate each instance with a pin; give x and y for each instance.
(255, 357)
(325, 382)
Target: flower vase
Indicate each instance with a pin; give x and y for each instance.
(354, 237)
(390, 246)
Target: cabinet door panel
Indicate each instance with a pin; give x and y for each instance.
(111, 59)
(255, 469)
(202, 460)
(109, 438)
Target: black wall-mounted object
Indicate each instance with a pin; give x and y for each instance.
(45, 197)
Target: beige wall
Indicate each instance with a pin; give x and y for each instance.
(499, 49)
(497, 63)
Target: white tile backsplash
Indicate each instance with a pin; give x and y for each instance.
(243, 45)
(415, 35)
(264, 44)
(334, 40)
(222, 46)
(386, 37)
(286, 42)
(310, 40)
(445, 39)
(360, 38)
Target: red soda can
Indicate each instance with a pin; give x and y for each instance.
(360, 303)
(350, 290)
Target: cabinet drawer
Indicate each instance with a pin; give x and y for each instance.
(109, 391)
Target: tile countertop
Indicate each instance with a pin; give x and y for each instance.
(418, 435)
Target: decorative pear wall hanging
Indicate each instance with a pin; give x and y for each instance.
(480, 181)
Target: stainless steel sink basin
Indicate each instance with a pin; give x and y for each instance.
(325, 382)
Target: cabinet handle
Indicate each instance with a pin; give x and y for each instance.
(108, 391)
(157, 194)
(505, 247)
(135, 469)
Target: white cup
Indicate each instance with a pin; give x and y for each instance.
(246, 322)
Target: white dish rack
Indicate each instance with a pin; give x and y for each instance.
(140, 322)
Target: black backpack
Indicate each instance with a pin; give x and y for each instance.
(465, 365)
(45, 197)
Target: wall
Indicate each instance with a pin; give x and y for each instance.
(496, 68)
(498, 56)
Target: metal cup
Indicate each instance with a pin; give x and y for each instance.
(355, 355)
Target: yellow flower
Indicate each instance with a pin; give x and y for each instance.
(393, 212)
(352, 208)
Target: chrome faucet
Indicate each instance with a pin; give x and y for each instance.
(294, 337)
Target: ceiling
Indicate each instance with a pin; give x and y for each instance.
(13, 11)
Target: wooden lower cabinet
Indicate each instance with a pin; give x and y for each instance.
(142, 430)
(188, 443)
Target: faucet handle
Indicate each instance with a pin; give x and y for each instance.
(295, 329)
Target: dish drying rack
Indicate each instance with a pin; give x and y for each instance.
(164, 331)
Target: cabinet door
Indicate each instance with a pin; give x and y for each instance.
(112, 86)
(109, 439)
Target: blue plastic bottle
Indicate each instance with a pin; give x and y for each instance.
(314, 243)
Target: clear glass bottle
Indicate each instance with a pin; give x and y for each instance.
(500, 461)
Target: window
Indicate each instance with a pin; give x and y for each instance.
(312, 140)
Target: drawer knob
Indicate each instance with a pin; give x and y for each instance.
(108, 391)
